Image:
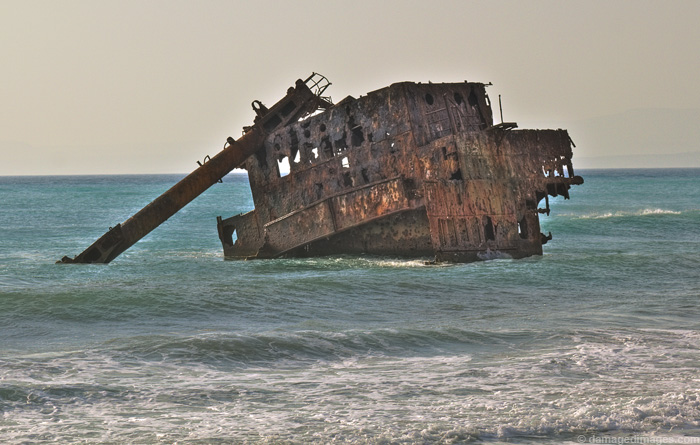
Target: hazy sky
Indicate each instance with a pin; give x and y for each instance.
(152, 86)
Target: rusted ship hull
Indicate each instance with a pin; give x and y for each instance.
(412, 170)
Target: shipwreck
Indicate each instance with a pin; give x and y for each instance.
(412, 169)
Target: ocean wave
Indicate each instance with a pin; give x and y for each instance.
(300, 347)
(624, 214)
(610, 383)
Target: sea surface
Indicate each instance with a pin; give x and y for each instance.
(599, 338)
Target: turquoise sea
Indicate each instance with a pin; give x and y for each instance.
(597, 339)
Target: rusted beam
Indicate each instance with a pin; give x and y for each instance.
(125, 235)
(299, 101)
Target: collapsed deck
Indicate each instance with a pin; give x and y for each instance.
(411, 170)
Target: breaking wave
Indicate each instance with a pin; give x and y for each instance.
(624, 214)
(516, 388)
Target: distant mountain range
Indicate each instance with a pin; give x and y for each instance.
(644, 138)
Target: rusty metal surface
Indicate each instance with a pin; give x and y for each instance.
(411, 169)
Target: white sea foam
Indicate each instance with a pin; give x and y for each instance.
(369, 261)
(605, 382)
(399, 263)
(622, 214)
(493, 255)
